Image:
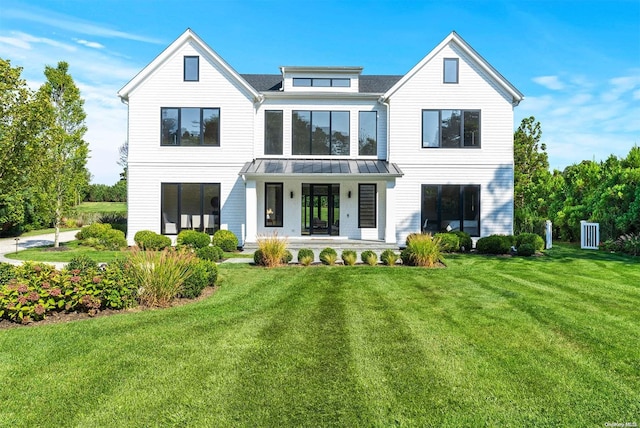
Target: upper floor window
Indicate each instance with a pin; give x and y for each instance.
(367, 133)
(191, 68)
(450, 128)
(190, 126)
(320, 132)
(273, 132)
(322, 82)
(451, 70)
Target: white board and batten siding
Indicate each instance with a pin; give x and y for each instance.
(151, 164)
(490, 166)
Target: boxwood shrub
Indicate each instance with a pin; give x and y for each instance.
(304, 253)
(149, 240)
(389, 257)
(193, 239)
(466, 243)
(533, 239)
(449, 243)
(101, 237)
(328, 256)
(203, 273)
(369, 257)
(226, 240)
(349, 257)
(526, 250)
(495, 244)
(212, 253)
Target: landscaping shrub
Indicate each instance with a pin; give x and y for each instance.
(422, 250)
(369, 257)
(226, 240)
(389, 257)
(193, 239)
(149, 240)
(81, 263)
(273, 251)
(305, 253)
(102, 237)
(534, 239)
(526, 250)
(117, 221)
(260, 259)
(328, 256)
(449, 243)
(349, 257)
(197, 281)
(160, 274)
(211, 253)
(287, 257)
(495, 244)
(7, 273)
(465, 241)
(39, 289)
(629, 243)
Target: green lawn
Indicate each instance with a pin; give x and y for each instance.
(548, 341)
(44, 254)
(102, 207)
(45, 231)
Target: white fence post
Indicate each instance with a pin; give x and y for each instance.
(589, 235)
(548, 234)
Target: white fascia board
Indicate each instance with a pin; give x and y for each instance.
(187, 36)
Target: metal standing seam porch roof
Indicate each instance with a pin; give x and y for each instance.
(345, 167)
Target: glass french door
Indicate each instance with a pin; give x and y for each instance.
(320, 209)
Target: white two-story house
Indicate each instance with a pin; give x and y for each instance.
(320, 151)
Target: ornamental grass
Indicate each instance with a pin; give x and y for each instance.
(273, 250)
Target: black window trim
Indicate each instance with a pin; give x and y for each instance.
(201, 142)
(179, 204)
(311, 131)
(375, 205)
(444, 67)
(360, 127)
(280, 208)
(265, 132)
(460, 204)
(298, 80)
(184, 66)
(462, 112)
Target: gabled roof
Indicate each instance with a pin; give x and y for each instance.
(516, 95)
(186, 37)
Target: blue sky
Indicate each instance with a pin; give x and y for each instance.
(577, 62)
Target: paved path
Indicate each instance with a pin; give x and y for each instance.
(8, 245)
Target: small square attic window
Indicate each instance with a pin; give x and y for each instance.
(451, 70)
(191, 68)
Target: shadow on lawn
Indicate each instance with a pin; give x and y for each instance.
(566, 252)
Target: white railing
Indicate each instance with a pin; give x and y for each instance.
(589, 235)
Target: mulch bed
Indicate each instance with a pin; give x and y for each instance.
(63, 317)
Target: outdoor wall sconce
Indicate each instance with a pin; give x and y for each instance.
(349, 194)
(291, 194)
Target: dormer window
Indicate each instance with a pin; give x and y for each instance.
(451, 70)
(321, 82)
(191, 68)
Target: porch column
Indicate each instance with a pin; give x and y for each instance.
(390, 224)
(251, 214)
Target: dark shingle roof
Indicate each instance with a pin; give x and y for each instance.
(368, 83)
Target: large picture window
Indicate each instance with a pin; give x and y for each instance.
(190, 126)
(366, 206)
(367, 133)
(190, 206)
(450, 128)
(320, 132)
(450, 207)
(273, 204)
(273, 132)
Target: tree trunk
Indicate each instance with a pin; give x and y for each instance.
(56, 223)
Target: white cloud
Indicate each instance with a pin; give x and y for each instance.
(550, 82)
(72, 24)
(587, 121)
(27, 41)
(94, 45)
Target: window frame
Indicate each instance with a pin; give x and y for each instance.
(216, 210)
(187, 58)
(461, 206)
(266, 129)
(446, 61)
(179, 127)
(462, 144)
(279, 208)
(369, 224)
(314, 82)
(309, 141)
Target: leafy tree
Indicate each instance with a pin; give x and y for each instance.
(531, 177)
(123, 159)
(21, 125)
(62, 173)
